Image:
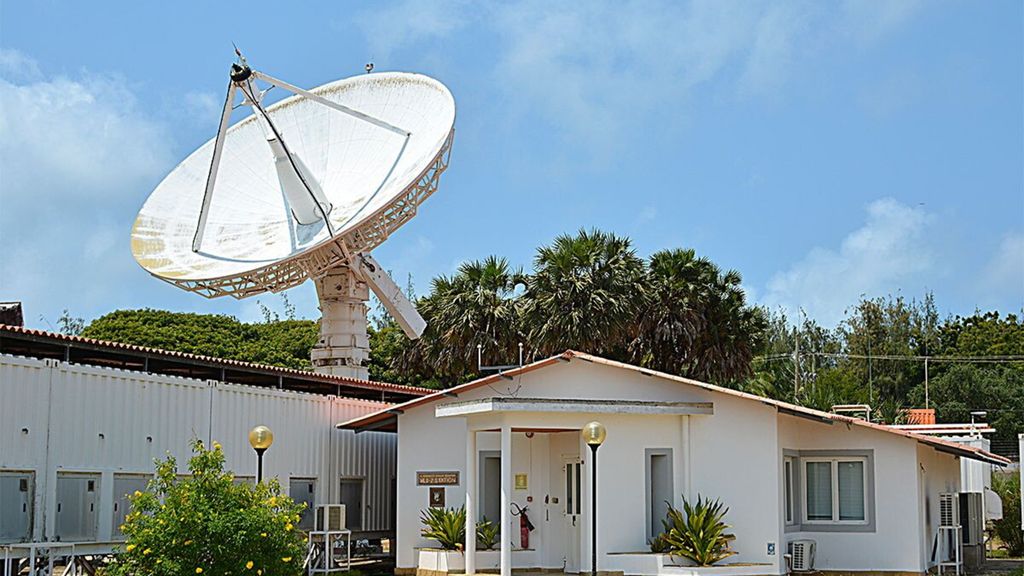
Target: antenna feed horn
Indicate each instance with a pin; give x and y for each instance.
(240, 72)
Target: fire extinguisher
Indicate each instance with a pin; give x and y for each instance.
(525, 526)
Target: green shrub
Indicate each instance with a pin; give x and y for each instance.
(700, 535)
(207, 524)
(446, 526)
(1007, 486)
(659, 544)
(487, 534)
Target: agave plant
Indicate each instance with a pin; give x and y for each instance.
(659, 544)
(447, 526)
(700, 535)
(486, 534)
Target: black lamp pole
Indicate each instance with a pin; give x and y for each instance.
(593, 514)
(259, 464)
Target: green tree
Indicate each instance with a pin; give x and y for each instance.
(1007, 486)
(281, 343)
(586, 293)
(695, 320)
(208, 524)
(477, 306)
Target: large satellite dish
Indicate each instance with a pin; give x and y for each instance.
(303, 189)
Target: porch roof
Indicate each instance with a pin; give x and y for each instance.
(560, 405)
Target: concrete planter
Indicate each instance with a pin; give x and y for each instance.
(437, 561)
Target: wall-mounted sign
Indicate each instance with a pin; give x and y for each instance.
(437, 497)
(522, 482)
(437, 478)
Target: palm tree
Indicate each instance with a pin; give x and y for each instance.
(672, 320)
(477, 305)
(696, 322)
(585, 293)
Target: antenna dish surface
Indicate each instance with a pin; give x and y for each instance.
(373, 179)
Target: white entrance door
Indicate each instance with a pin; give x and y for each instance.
(571, 508)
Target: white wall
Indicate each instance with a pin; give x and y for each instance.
(896, 541)
(57, 417)
(739, 432)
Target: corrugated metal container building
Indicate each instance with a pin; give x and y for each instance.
(75, 438)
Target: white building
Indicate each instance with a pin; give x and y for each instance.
(81, 422)
(868, 495)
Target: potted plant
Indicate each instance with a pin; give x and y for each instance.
(447, 527)
(487, 534)
(697, 533)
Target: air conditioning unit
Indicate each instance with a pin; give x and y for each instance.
(802, 554)
(972, 516)
(949, 509)
(330, 517)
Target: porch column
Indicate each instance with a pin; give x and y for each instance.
(506, 500)
(471, 485)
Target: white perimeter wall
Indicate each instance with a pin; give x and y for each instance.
(52, 416)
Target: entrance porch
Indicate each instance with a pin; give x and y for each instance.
(526, 455)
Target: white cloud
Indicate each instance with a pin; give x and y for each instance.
(77, 158)
(1004, 273)
(890, 251)
(14, 64)
(591, 69)
(404, 23)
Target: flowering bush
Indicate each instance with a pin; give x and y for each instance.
(207, 524)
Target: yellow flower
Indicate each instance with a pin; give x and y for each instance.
(259, 572)
(199, 570)
(288, 526)
(286, 559)
(187, 542)
(248, 565)
(263, 534)
(129, 547)
(121, 527)
(137, 493)
(216, 445)
(146, 551)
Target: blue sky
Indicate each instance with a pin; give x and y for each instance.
(823, 149)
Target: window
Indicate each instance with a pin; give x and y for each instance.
(835, 490)
(659, 490)
(787, 497)
(303, 491)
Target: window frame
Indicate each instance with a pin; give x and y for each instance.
(834, 462)
(789, 511)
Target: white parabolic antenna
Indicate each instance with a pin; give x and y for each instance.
(303, 189)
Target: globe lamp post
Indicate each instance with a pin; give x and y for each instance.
(594, 434)
(260, 438)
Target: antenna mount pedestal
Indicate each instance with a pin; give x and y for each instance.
(344, 346)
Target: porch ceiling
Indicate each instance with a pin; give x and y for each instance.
(559, 405)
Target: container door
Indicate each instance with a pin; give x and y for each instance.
(124, 486)
(16, 499)
(352, 498)
(303, 491)
(77, 507)
(571, 509)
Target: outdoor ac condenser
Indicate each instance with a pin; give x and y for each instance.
(949, 509)
(802, 553)
(330, 517)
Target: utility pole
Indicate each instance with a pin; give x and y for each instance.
(796, 365)
(926, 382)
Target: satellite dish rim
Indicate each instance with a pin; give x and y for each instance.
(316, 259)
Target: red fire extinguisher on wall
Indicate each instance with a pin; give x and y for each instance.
(525, 526)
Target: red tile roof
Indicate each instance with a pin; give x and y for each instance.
(378, 419)
(210, 360)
